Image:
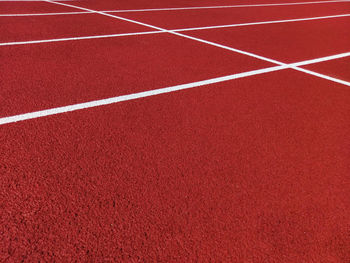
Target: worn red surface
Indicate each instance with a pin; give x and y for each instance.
(250, 170)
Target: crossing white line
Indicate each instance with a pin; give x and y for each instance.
(203, 41)
(96, 103)
(208, 43)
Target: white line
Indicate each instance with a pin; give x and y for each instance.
(206, 42)
(78, 38)
(45, 14)
(323, 76)
(182, 8)
(322, 59)
(96, 103)
(175, 30)
(223, 6)
(261, 23)
(139, 95)
(30, 0)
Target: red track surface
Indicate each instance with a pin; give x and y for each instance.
(9, 7)
(45, 27)
(248, 170)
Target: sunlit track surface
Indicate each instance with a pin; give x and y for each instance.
(174, 131)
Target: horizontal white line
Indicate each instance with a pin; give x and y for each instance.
(30, 0)
(175, 30)
(133, 96)
(45, 14)
(180, 8)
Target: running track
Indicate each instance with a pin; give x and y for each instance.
(175, 131)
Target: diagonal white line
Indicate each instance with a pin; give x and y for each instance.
(173, 30)
(322, 59)
(96, 103)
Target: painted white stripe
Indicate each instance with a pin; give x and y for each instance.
(322, 59)
(78, 38)
(181, 8)
(323, 76)
(224, 6)
(204, 41)
(175, 30)
(30, 0)
(261, 23)
(96, 103)
(45, 14)
(139, 95)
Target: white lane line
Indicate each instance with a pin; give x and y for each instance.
(133, 96)
(181, 8)
(261, 23)
(139, 95)
(225, 6)
(322, 59)
(78, 38)
(30, 0)
(45, 14)
(206, 42)
(323, 76)
(175, 30)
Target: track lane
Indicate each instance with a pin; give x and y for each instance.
(253, 169)
(65, 73)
